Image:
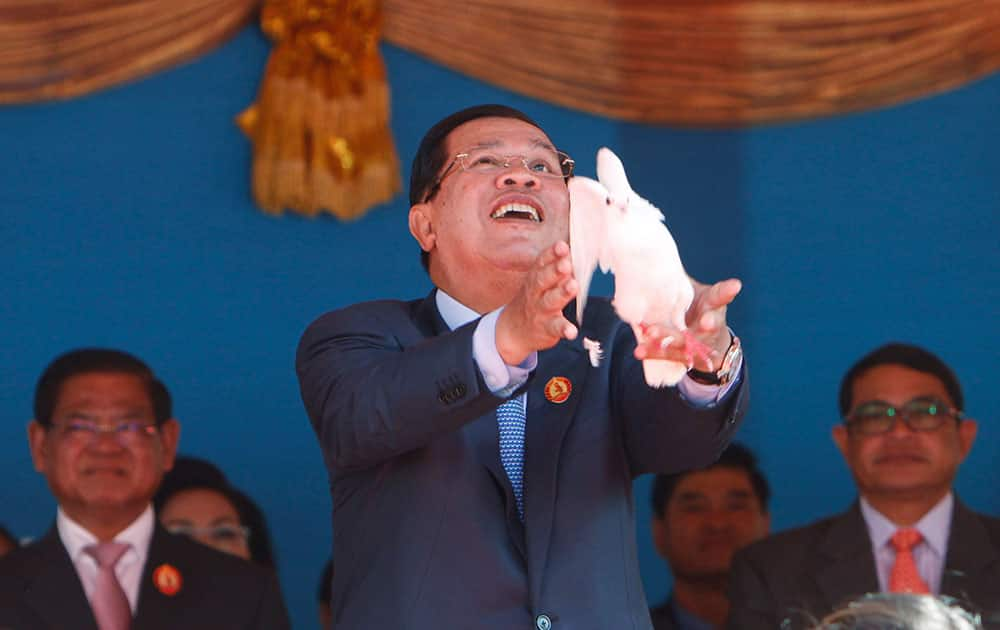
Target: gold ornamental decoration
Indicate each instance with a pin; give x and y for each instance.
(320, 125)
(56, 49)
(708, 62)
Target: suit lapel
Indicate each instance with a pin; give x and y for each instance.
(54, 591)
(157, 609)
(482, 434)
(547, 423)
(971, 554)
(844, 564)
(427, 318)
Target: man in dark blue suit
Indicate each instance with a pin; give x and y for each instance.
(481, 469)
(103, 435)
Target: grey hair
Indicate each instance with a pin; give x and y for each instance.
(901, 611)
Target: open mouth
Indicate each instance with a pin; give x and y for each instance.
(517, 211)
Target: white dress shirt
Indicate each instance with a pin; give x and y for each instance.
(129, 567)
(928, 554)
(502, 379)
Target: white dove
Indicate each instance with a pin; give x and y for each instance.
(612, 226)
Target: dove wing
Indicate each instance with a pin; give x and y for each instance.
(587, 203)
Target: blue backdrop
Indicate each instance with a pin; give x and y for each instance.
(126, 220)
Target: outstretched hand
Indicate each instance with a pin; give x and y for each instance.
(534, 319)
(707, 338)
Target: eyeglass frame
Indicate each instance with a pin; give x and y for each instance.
(94, 429)
(900, 412)
(565, 160)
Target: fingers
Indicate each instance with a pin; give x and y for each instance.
(554, 285)
(721, 294)
(560, 327)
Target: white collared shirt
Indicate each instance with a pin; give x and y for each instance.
(502, 379)
(928, 554)
(129, 567)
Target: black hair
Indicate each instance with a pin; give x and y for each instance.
(907, 355)
(90, 360)
(431, 156)
(735, 456)
(192, 473)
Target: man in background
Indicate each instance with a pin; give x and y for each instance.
(700, 519)
(904, 435)
(103, 435)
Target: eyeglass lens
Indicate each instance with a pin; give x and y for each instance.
(920, 414)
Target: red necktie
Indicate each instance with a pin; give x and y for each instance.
(904, 577)
(108, 601)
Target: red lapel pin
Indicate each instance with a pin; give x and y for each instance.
(558, 389)
(167, 579)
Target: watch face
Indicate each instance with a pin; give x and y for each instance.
(731, 362)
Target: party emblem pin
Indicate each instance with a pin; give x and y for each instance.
(557, 390)
(167, 579)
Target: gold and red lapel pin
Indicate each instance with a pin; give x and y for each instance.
(558, 389)
(167, 579)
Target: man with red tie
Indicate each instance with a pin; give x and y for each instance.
(103, 435)
(903, 437)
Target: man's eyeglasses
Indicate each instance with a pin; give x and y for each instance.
(542, 163)
(85, 432)
(920, 414)
(219, 534)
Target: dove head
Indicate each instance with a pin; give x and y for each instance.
(611, 173)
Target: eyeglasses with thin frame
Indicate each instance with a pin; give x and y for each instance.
(219, 534)
(86, 432)
(920, 414)
(540, 163)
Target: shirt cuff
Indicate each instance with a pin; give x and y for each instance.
(702, 395)
(500, 378)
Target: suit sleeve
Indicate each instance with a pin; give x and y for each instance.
(374, 387)
(663, 432)
(751, 606)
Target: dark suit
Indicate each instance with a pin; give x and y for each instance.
(663, 617)
(40, 590)
(426, 532)
(816, 568)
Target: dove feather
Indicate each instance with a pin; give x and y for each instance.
(611, 225)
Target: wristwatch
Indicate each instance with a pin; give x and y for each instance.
(727, 371)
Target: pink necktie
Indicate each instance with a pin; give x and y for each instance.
(904, 577)
(108, 601)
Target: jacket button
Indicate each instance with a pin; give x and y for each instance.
(542, 622)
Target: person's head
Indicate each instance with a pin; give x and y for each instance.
(196, 500)
(7, 541)
(702, 517)
(900, 611)
(103, 435)
(904, 432)
(476, 206)
(324, 593)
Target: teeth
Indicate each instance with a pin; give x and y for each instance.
(521, 208)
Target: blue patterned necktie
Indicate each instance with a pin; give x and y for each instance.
(511, 419)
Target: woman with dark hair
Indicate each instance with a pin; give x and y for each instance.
(195, 499)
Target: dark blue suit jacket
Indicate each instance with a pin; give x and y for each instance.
(805, 573)
(426, 533)
(40, 590)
